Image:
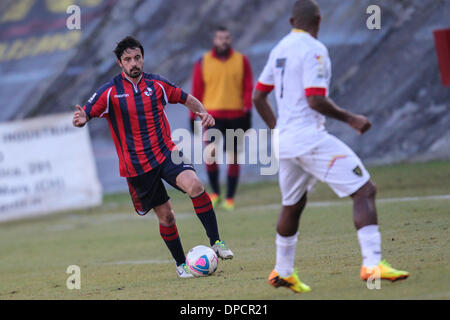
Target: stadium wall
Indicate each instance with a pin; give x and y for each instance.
(391, 74)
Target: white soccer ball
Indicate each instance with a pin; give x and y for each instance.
(202, 261)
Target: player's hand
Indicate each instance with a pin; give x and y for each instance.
(207, 119)
(360, 123)
(79, 117)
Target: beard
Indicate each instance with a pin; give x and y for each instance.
(223, 51)
(134, 73)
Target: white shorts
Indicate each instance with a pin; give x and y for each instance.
(331, 162)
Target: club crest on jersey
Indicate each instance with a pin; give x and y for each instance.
(148, 91)
(357, 171)
(319, 58)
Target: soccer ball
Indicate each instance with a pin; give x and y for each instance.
(202, 261)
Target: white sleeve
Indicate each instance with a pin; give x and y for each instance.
(316, 71)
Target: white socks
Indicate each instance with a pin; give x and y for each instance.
(370, 241)
(368, 236)
(285, 254)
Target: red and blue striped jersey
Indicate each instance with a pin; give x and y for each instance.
(137, 120)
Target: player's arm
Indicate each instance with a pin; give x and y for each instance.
(327, 107)
(97, 106)
(197, 108)
(176, 95)
(315, 69)
(264, 108)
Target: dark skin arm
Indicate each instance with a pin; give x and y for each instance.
(321, 104)
(327, 107)
(264, 109)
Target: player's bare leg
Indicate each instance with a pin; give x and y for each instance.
(365, 220)
(289, 218)
(191, 184)
(364, 208)
(165, 214)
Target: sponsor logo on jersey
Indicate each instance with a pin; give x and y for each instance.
(321, 69)
(121, 95)
(92, 98)
(319, 58)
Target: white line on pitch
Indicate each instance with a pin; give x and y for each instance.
(139, 262)
(130, 216)
(347, 202)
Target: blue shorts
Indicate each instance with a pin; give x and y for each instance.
(147, 190)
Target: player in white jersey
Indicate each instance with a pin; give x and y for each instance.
(299, 68)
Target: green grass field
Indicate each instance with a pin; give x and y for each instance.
(122, 256)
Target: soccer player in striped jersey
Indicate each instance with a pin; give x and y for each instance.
(133, 103)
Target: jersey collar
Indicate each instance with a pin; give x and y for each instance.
(298, 30)
(135, 86)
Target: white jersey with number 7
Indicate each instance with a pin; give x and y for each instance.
(298, 66)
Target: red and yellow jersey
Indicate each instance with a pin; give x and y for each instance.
(223, 85)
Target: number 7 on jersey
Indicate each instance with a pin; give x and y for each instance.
(281, 63)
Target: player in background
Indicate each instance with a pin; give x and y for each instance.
(133, 103)
(299, 69)
(223, 81)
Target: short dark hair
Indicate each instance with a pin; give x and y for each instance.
(221, 28)
(127, 43)
(306, 13)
